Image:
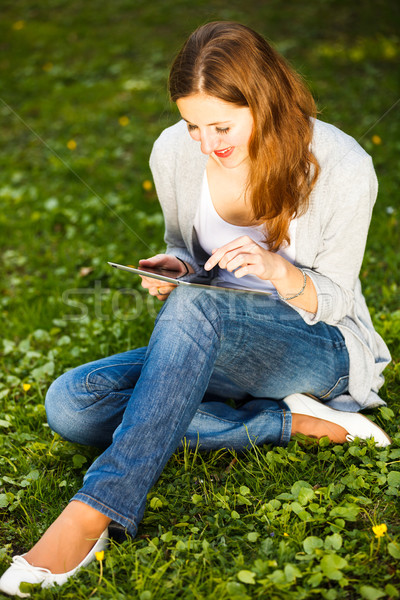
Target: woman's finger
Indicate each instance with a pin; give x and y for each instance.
(239, 256)
(150, 282)
(244, 270)
(165, 261)
(252, 260)
(219, 253)
(163, 293)
(239, 260)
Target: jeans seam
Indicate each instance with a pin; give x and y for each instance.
(334, 387)
(206, 414)
(283, 426)
(88, 384)
(107, 507)
(212, 321)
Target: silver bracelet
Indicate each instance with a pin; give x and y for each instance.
(298, 293)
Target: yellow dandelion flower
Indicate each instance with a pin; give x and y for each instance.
(286, 534)
(376, 140)
(26, 387)
(124, 121)
(99, 555)
(147, 185)
(18, 25)
(71, 145)
(379, 530)
(47, 66)
(389, 49)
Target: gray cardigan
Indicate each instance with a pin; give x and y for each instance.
(330, 239)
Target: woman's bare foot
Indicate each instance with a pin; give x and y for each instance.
(69, 539)
(317, 428)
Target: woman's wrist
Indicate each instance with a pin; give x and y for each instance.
(188, 267)
(289, 279)
(295, 286)
(280, 271)
(294, 295)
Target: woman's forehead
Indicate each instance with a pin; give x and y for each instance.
(209, 109)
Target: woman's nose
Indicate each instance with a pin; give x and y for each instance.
(208, 143)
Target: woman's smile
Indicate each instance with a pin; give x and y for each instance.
(224, 153)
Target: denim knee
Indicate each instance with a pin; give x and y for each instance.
(61, 411)
(190, 303)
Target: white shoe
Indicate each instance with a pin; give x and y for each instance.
(21, 571)
(355, 424)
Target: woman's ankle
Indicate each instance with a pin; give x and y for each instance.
(86, 516)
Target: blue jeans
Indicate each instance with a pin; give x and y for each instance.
(206, 347)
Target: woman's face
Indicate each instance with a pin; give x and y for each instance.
(222, 128)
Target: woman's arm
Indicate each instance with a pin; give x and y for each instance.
(162, 164)
(341, 228)
(336, 266)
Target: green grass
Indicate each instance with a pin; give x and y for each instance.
(272, 523)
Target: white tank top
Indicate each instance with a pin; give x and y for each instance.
(213, 232)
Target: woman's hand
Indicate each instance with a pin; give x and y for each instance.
(161, 289)
(244, 256)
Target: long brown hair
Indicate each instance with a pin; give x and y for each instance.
(231, 62)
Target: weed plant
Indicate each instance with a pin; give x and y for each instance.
(83, 96)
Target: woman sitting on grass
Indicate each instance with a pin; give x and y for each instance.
(253, 187)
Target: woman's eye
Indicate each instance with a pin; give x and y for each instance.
(191, 127)
(219, 130)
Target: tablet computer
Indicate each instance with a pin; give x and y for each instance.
(175, 277)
